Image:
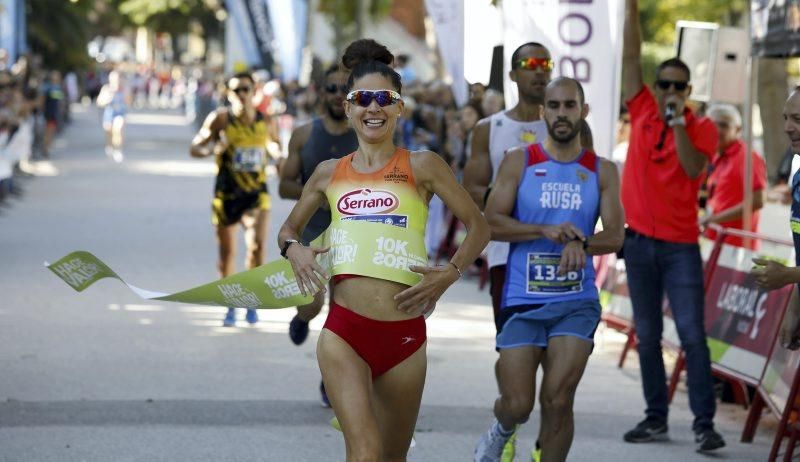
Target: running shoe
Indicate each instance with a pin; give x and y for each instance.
(648, 430)
(536, 453)
(117, 155)
(708, 440)
(252, 316)
(491, 445)
(230, 318)
(510, 449)
(335, 424)
(298, 330)
(323, 395)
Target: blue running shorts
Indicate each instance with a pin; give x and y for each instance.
(534, 325)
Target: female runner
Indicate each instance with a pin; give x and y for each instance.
(371, 351)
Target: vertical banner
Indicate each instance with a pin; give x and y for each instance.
(290, 34)
(258, 14)
(585, 39)
(448, 22)
(22, 28)
(8, 28)
(241, 51)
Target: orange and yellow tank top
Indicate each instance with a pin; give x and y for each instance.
(377, 221)
(388, 196)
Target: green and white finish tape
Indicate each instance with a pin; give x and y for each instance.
(356, 247)
(269, 286)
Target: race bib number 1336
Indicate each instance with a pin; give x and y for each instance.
(543, 277)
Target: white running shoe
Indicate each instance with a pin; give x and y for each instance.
(490, 446)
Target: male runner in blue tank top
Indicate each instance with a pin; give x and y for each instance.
(546, 202)
(328, 136)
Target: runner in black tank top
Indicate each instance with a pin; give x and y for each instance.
(238, 138)
(328, 136)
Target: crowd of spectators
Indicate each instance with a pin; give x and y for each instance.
(34, 107)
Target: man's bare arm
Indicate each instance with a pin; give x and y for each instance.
(737, 211)
(478, 170)
(291, 186)
(610, 239)
(501, 202)
(632, 80)
(692, 161)
(202, 145)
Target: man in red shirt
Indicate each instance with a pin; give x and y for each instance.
(669, 150)
(725, 183)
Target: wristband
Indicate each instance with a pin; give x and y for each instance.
(456, 267)
(286, 244)
(584, 243)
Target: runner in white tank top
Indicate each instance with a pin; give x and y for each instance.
(495, 135)
(505, 134)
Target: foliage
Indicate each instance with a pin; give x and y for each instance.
(345, 12)
(172, 16)
(659, 16)
(58, 31)
(654, 54)
(346, 17)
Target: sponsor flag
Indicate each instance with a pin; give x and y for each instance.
(241, 51)
(448, 22)
(289, 19)
(261, 25)
(585, 39)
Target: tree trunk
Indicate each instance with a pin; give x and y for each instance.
(772, 86)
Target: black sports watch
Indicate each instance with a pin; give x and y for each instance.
(286, 245)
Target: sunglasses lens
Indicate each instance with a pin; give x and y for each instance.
(333, 88)
(363, 98)
(384, 98)
(665, 84)
(536, 63)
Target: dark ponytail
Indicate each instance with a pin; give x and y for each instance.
(366, 56)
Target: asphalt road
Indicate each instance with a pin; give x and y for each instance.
(105, 376)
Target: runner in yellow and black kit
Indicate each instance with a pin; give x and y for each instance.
(238, 136)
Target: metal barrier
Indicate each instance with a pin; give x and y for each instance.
(742, 324)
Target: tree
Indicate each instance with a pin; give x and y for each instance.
(58, 31)
(174, 17)
(660, 16)
(348, 17)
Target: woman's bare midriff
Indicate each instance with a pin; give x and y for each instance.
(371, 298)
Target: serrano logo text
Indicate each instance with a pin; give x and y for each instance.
(367, 202)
